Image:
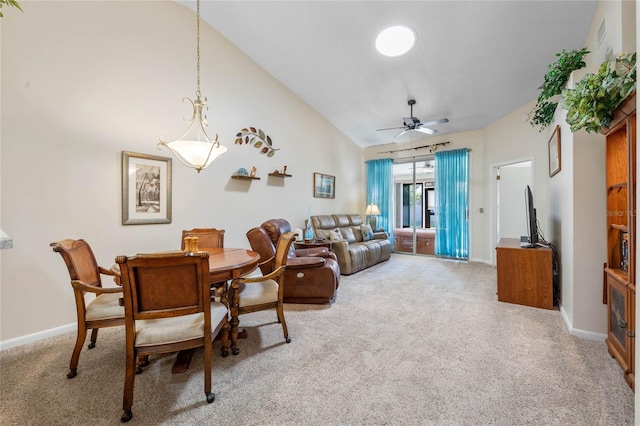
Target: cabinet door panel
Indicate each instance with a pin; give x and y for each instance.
(618, 339)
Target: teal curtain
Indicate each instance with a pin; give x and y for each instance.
(380, 191)
(452, 203)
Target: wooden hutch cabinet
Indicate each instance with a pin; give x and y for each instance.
(619, 272)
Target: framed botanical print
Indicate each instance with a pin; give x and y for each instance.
(324, 186)
(146, 189)
(555, 165)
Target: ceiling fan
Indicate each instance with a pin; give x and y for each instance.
(413, 124)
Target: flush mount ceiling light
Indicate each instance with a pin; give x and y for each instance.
(199, 152)
(395, 41)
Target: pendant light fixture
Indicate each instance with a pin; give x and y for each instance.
(197, 153)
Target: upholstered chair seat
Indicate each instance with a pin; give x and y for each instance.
(176, 329)
(105, 306)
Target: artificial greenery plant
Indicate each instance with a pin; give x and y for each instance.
(13, 3)
(592, 101)
(554, 81)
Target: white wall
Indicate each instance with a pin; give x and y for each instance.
(84, 81)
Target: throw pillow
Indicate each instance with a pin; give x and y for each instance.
(365, 232)
(367, 229)
(335, 235)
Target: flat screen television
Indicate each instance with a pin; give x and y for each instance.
(532, 224)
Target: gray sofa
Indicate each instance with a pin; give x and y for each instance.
(353, 253)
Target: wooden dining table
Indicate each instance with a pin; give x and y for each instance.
(225, 264)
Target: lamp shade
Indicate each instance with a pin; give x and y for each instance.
(372, 209)
(195, 154)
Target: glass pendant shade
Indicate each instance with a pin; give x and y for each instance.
(195, 154)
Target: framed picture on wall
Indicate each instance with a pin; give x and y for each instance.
(324, 186)
(146, 189)
(554, 152)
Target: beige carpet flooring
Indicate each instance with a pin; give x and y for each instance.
(412, 341)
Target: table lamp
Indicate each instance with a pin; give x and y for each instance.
(372, 211)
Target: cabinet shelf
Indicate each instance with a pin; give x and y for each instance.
(624, 228)
(282, 175)
(621, 276)
(617, 186)
(245, 177)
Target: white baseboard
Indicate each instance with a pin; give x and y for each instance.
(30, 338)
(583, 334)
(485, 261)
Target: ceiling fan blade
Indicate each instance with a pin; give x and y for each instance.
(401, 133)
(434, 122)
(390, 128)
(425, 130)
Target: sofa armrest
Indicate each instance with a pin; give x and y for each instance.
(380, 236)
(314, 251)
(341, 249)
(305, 262)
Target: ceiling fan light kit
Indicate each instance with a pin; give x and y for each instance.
(395, 41)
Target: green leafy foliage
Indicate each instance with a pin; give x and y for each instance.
(592, 101)
(554, 81)
(12, 3)
(257, 138)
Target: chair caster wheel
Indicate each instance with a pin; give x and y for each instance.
(225, 354)
(126, 416)
(211, 397)
(287, 339)
(91, 345)
(138, 370)
(71, 374)
(235, 351)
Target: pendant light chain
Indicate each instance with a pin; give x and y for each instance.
(198, 48)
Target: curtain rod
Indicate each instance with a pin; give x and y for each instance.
(417, 147)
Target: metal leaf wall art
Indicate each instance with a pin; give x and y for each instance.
(257, 138)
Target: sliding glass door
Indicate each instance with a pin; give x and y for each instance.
(414, 219)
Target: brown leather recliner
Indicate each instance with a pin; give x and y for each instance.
(312, 275)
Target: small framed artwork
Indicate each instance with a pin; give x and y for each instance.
(146, 189)
(555, 164)
(324, 186)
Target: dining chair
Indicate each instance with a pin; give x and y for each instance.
(86, 277)
(207, 237)
(258, 293)
(168, 308)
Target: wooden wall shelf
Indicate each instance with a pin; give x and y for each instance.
(245, 177)
(282, 175)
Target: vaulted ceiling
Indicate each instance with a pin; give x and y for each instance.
(473, 62)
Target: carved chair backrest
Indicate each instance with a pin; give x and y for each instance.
(165, 285)
(80, 261)
(207, 237)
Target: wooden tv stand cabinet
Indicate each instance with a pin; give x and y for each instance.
(525, 275)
